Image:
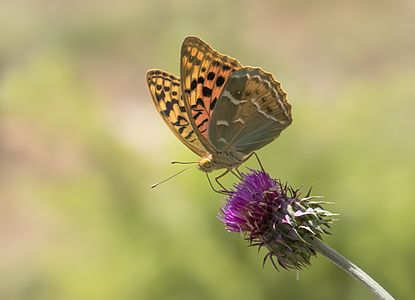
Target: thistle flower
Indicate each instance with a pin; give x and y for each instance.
(273, 215)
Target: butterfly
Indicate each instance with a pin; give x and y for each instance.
(221, 110)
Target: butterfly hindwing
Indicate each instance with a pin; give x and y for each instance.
(204, 73)
(166, 93)
(251, 112)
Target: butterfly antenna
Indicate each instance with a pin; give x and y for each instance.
(183, 162)
(157, 184)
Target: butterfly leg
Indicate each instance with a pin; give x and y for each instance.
(237, 173)
(213, 188)
(257, 158)
(220, 176)
(259, 161)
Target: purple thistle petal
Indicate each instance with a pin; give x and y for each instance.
(250, 204)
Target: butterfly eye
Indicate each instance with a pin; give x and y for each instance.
(205, 163)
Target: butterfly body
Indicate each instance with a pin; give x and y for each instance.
(220, 160)
(220, 109)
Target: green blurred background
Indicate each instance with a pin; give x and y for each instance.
(80, 143)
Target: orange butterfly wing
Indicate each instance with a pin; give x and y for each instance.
(165, 91)
(204, 73)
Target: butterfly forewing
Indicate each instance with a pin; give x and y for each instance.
(166, 93)
(250, 113)
(204, 73)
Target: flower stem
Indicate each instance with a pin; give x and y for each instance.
(351, 268)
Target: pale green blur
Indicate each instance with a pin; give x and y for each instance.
(80, 144)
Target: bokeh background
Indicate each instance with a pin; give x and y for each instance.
(80, 143)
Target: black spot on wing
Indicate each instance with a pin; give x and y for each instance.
(170, 104)
(210, 76)
(203, 122)
(193, 85)
(197, 115)
(200, 102)
(199, 105)
(220, 81)
(160, 96)
(207, 92)
(181, 121)
(189, 135)
(213, 103)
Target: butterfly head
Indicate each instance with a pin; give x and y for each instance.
(205, 164)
